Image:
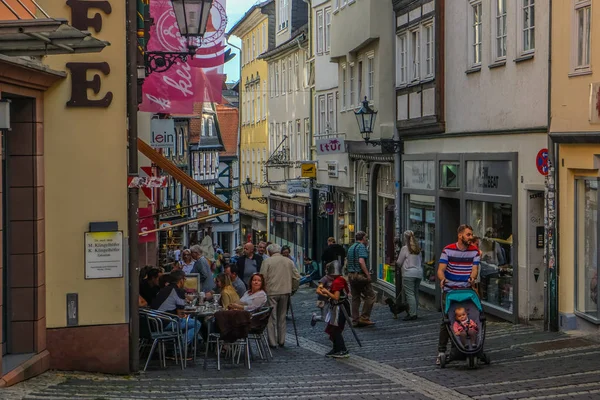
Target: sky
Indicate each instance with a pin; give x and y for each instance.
(235, 10)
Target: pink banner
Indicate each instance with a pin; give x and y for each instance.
(199, 79)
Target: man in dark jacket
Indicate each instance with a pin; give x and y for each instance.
(249, 263)
(333, 252)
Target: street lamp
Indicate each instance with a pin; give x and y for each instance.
(248, 186)
(192, 18)
(365, 117)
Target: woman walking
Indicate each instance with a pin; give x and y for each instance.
(412, 272)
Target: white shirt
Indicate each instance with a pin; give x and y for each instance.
(254, 301)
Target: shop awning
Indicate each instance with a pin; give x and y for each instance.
(40, 37)
(166, 165)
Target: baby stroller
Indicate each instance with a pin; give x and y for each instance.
(468, 299)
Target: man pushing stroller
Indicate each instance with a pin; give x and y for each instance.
(458, 269)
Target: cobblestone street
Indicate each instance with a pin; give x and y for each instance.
(395, 362)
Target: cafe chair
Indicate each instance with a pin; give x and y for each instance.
(233, 329)
(163, 329)
(258, 332)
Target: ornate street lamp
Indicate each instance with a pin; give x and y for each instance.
(192, 18)
(365, 117)
(248, 186)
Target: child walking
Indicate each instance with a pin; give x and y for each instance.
(336, 318)
(322, 301)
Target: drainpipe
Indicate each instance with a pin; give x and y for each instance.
(551, 211)
(133, 192)
(398, 183)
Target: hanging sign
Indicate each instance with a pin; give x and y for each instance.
(298, 186)
(309, 170)
(163, 133)
(330, 207)
(541, 162)
(330, 146)
(103, 255)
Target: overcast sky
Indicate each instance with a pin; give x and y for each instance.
(235, 10)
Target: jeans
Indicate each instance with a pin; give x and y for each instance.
(193, 328)
(410, 292)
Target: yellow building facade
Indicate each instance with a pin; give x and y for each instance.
(254, 32)
(575, 141)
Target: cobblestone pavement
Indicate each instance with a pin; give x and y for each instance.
(395, 362)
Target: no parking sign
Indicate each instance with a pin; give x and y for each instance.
(541, 162)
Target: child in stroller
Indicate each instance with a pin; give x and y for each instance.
(465, 321)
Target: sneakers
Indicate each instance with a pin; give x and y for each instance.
(340, 354)
(313, 321)
(331, 353)
(365, 322)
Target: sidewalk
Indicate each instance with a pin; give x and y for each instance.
(396, 362)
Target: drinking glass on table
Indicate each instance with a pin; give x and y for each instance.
(217, 297)
(202, 297)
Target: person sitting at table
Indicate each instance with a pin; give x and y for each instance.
(228, 293)
(254, 298)
(233, 272)
(149, 284)
(171, 299)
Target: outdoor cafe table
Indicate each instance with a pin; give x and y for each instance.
(200, 313)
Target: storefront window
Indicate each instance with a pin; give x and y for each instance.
(421, 220)
(386, 263)
(586, 242)
(346, 219)
(492, 224)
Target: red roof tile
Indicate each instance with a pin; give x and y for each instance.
(228, 123)
(196, 124)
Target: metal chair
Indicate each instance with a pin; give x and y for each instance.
(234, 348)
(163, 328)
(258, 332)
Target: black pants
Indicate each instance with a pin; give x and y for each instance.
(337, 336)
(444, 336)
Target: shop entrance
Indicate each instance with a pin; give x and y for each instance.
(535, 254)
(449, 220)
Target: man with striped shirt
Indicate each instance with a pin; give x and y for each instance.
(458, 268)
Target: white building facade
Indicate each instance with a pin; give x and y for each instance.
(474, 128)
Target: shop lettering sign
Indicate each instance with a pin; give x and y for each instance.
(163, 133)
(330, 146)
(490, 177)
(80, 84)
(419, 174)
(298, 186)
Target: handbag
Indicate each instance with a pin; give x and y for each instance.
(357, 279)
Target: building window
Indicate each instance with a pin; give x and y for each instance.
(586, 247)
(283, 14)
(248, 48)
(344, 88)
(322, 114)
(415, 54)
(475, 33)
(359, 92)
(271, 79)
(276, 67)
(429, 51)
(492, 222)
(284, 77)
(320, 32)
(297, 70)
(253, 46)
(252, 107)
(210, 127)
(307, 142)
(401, 54)
(290, 74)
(327, 29)
(258, 103)
(352, 87)
(371, 77)
(581, 40)
(528, 25)
(264, 116)
(264, 37)
(330, 114)
(500, 22)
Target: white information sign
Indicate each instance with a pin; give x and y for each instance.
(103, 255)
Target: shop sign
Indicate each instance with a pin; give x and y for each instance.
(330, 146)
(449, 178)
(490, 177)
(298, 186)
(151, 182)
(163, 133)
(419, 175)
(193, 226)
(146, 223)
(416, 214)
(103, 255)
(309, 170)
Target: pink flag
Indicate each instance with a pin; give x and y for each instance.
(200, 78)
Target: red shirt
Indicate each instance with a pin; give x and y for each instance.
(339, 284)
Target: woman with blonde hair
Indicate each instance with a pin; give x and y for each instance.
(412, 272)
(227, 291)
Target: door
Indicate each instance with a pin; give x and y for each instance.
(449, 221)
(535, 254)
